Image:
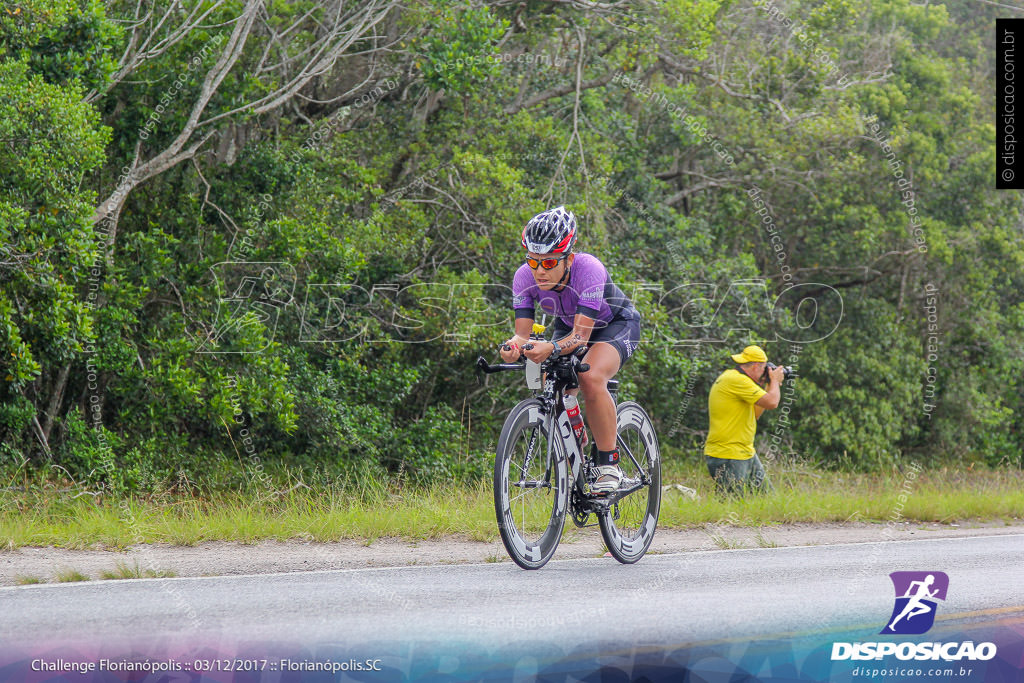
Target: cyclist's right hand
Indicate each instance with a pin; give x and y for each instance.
(511, 350)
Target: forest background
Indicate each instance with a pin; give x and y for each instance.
(258, 240)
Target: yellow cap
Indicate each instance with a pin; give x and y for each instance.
(751, 354)
(538, 328)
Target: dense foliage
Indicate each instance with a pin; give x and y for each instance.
(240, 237)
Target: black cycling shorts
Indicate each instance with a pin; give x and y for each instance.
(623, 334)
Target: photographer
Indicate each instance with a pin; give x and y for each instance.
(737, 399)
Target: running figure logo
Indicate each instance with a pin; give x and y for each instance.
(916, 593)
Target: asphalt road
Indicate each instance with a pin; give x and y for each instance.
(578, 604)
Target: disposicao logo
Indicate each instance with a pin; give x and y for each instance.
(916, 593)
(913, 614)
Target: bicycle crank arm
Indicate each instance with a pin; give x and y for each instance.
(616, 496)
(601, 502)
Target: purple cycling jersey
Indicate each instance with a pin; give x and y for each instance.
(589, 291)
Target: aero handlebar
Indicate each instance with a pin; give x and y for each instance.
(483, 366)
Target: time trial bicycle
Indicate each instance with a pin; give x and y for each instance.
(540, 472)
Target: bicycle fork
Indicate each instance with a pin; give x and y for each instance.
(528, 460)
(545, 483)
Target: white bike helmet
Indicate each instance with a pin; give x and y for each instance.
(550, 232)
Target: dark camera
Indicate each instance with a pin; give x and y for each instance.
(787, 372)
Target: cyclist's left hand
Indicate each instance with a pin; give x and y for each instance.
(540, 351)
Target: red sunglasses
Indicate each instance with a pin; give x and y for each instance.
(546, 264)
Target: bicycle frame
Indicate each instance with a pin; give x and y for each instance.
(561, 374)
(555, 415)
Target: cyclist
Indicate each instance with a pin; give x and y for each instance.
(590, 311)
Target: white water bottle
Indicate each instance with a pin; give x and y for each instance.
(572, 409)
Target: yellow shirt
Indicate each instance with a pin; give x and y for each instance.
(731, 418)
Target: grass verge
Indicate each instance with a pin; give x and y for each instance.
(133, 571)
(70, 576)
(48, 516)
(28, 580)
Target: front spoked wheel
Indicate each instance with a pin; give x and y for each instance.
(530, 486)
(628, 525)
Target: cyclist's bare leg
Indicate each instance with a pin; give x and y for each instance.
(604, 363)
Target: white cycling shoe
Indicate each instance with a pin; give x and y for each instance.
(609, 477)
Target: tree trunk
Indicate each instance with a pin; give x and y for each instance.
(55, 400)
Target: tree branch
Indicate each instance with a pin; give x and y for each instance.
(110, 208)
(323, 60)
(560, 90)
